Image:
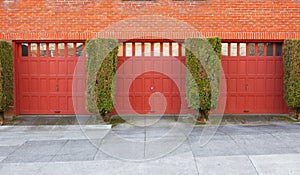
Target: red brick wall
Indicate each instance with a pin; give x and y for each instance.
(83, 19)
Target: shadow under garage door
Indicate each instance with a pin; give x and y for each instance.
(45, 73)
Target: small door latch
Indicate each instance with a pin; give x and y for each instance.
(246, 87)
(56, 88)
(151, 88)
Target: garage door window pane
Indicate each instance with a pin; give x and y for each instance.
(147, 49)
(233, 49)
(24, 49)
(61, 49)
(42, 49)
(174, 49)
(269, 49)
(182, 49)
(79, 49)
(156, 49)
(260, 49)
(278, 49)
(166, 49)
(242, 49)
(138, 49)
(51, 49)
(33, 49)
(251, 49)
(225, 49)
(70, 49)
(129, 49)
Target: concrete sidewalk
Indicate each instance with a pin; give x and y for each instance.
(80, 150)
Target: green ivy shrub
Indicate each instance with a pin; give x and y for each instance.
(292, 75)
(101, 69)
(6, 75)
(203, 74)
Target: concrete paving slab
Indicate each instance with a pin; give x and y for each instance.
(290, 139)
(95, 134)
(297, 149)
(128, 132)
(35, 151)
(286, 164)
(216, 146)
(166, 147)
(2, 158)
(100, 155)
(274, 128)
(262, 144)
(165, 166)
(49, 135)
(57, 150)
(20, 168)
(6, 150)
(65, 135)
(197, 131)
(225, 165)
(138, 136)
(28, 158)
(166, 132)
(179, 163)
(91, 168)
(130, 135)
(161, 132)
(76, 150)
(11, 141)
(124, 149)
(10, 128)
(239, 130)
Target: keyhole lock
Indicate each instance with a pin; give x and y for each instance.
(56, 88)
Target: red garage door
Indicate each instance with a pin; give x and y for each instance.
(151, 78)
(45, 76)
(254, 73)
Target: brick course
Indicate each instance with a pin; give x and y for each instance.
(85, 19)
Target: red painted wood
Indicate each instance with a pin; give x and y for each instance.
(146, 98)
(151, 92)
(45, 84)
(254, 84)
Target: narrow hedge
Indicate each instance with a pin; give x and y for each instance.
(6, 75)
(101, 69)
(292, 75)
(203, 74)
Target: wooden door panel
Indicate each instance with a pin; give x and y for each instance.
(257, 86)
(45, 83)
(150, 91)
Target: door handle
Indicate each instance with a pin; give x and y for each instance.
(246, 87)
(56, 88)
